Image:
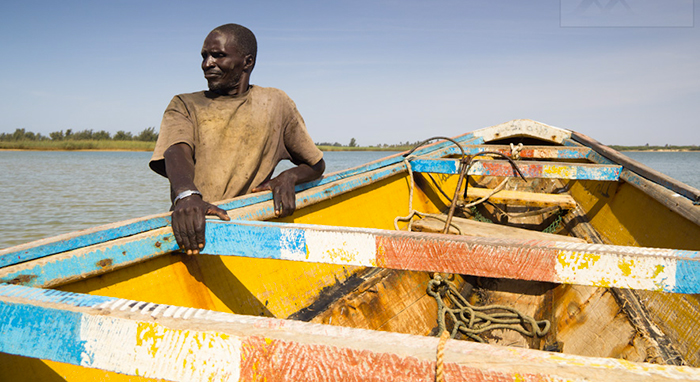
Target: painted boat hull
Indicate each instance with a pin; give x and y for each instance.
(326, 276)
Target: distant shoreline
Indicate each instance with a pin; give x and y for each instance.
(111, 145)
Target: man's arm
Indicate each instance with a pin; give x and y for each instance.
(188, 218)
(282, 186)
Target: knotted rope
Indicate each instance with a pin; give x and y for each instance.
(473, 320)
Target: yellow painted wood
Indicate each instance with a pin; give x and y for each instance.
(23, 369)
(624, 215)
(521, 198)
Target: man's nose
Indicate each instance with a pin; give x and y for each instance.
(208, 62)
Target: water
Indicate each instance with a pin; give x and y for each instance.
(48, 193)
(682, 166)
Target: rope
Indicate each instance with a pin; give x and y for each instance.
(473, 320)
(515, 150)
(439, 363)
(411, 212)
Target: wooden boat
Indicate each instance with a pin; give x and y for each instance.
(599, 245)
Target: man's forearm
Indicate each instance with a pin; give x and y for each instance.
(179, 166)
(305, 173)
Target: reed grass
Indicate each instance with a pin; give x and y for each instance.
(69, 145)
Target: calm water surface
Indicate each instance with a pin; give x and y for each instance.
(48, 193)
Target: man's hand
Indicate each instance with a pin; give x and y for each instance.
(283, 197)
(188, 221)
(282, 186)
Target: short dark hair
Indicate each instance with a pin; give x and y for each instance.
(243, 38)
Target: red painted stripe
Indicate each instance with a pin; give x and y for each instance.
(511, 261)
(278, 360)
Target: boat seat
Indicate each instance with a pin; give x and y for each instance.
(522, 198)
(474, 228)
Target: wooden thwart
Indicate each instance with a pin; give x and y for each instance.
(474, 228)
(180, 343)
(550, 170)
(522, 198)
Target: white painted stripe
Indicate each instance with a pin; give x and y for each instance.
(154, 351)
(634, 272)
(350, 248)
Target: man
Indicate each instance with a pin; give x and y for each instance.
(225, 142)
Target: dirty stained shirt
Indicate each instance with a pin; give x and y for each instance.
(237, 140)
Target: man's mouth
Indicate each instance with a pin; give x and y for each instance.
(211, 75)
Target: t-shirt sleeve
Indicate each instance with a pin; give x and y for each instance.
(176, 127)
(297, 141)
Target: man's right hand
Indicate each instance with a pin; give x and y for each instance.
(188, 221)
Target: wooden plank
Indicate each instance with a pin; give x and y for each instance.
(179, 343)
(529, 169)
(569, 263)
(691, 193)
(523, 128)
(523, 198)
(101, 234)
(481, 229)
(530, 152)
(657, 269)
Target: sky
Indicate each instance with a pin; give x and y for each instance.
(380, 71)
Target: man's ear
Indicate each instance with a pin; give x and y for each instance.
(248, 63)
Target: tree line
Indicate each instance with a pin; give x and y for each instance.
(148, 134)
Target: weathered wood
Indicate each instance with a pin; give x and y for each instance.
(591, 322)
(393, 301)
(522, 198)
(531, 152)
(523, 128)
(658, 346)
(480, 229)
(530, 169)
(576, 263)
(179, 343)
(647, 172)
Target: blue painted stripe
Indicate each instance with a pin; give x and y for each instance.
(248, 241)
(687, 274)
(444, 166)
(50, 272)
(588, 172)
(85, 240)
(52, 296)
(38, 332)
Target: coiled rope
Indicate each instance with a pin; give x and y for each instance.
(473, 320)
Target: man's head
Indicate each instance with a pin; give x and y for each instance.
(228, 58)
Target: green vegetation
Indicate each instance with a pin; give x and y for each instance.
(79, 140)
(655, 148)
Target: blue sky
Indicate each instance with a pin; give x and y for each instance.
(378, 71)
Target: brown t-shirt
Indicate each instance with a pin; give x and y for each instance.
(237, 140)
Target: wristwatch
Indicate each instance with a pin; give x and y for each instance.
(185, 194)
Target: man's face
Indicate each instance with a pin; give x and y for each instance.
(222, 64)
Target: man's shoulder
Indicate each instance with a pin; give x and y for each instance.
(191, 96)
(267, 92)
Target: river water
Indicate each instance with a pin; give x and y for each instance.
(46, 193)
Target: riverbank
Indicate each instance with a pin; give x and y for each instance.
(110, 145)
(75, 145)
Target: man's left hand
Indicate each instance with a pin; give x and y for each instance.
(283, 196)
